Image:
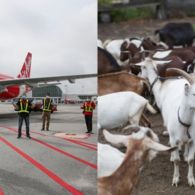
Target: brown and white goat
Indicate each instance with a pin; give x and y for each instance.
(140, 148)
(180, 58)
(122, 81)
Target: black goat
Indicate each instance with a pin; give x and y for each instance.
(174, 34)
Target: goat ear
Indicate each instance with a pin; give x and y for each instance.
(158, 146)
(116, 140)
(186, 89)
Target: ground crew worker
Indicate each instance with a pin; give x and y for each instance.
(24, 107)
(47, 108)
(88, 108)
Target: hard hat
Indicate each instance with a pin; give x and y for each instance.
(24, 97)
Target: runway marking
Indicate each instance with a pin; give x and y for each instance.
(65, 153)
(1, 191)
(90, 144)
(38, 133)
(38, 165)
(79, 143)
(58, 150)
(86, 145)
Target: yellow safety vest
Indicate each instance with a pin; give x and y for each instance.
(88, 107)
(23, 110)
(46, 107)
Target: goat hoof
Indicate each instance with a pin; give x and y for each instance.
(175, 181)
(191, 181)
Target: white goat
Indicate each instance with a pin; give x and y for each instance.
(118, 109)
(141, 147)
(114, 47)
(176, 100)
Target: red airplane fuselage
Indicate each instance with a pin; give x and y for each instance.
(9, 92)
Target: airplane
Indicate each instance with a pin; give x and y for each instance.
(12, 88)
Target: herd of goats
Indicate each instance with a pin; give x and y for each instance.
(134, 75)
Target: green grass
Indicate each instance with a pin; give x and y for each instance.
(131, 13)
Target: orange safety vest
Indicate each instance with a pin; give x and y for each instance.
(88, 107)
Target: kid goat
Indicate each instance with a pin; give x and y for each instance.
(141, 147)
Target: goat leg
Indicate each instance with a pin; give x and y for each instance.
(176, 173)
(145, 121)
(191, 180)
(190, 160)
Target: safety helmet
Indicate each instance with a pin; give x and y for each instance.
(23, 97)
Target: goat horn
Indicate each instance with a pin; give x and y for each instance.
(182, 73)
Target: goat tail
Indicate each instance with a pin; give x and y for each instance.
(150, 108)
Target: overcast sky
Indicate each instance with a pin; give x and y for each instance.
(61, 35)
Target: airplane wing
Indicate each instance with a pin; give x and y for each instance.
(33, 81)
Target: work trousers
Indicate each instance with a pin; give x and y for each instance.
(88, 121)
(26, 118)
(46, 119)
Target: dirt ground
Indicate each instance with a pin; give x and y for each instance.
(134, 28)
(156, 177)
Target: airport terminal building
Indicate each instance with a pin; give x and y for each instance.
(58, 95)
(54, 91)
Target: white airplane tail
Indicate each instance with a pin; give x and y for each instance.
(26, 68)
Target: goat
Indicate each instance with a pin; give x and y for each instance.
(122, 81)
(107, 153)
(141, 147)
(181, 58)
(176, 100)
(129, 48)
(149, 44)
(185, 54)
(119, 109)
(174, 34)
(173, 62)
(113, 47)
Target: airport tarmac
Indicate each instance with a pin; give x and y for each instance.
(46, 164)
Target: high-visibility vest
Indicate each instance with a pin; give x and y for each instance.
(46, 107)
(25, 108)
(88, 107)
